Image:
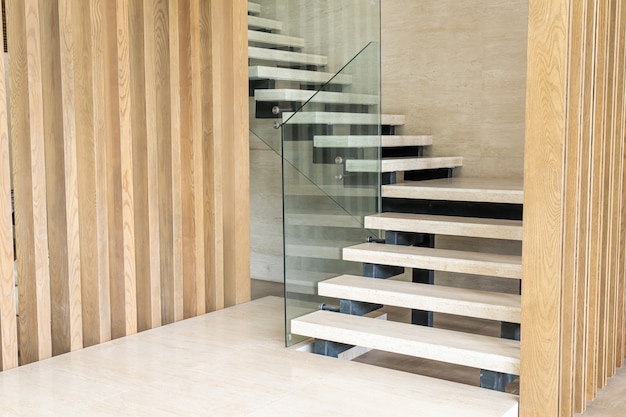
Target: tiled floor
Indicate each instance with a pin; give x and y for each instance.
(228, 363)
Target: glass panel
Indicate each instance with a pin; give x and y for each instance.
(331, 179)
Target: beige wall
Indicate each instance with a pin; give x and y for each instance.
(457, 70)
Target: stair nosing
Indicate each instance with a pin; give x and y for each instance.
(372, 141)
(276, 39)
(321, 117)
(263, 72)
(403, 164)
(277, 55)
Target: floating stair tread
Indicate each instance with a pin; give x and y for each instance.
(343, 118)
(256, 22)
(320, 97)
(276, 55)
(370, 141)
(466, 349)
(295, 75)
(476, 263)
(274, 39)
(437, 298)
(254, 7)
(488, 190)
(402, 164)
(446, 225)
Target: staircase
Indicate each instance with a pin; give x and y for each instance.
(422, 202)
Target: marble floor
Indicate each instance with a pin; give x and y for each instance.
(233, 363)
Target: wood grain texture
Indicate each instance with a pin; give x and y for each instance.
(543, 207)
(128, 277)
(213, 53)
(177, 166)
(199, 47)
(162, 94)
(70, 174)
(97, 287)
(584, 162)
(8, 321)
(621, 341)
(571, 213)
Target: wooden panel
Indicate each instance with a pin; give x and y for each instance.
(160, 13)
(543, 207)
(214, 52)
(95, 174)
(177, 166)
(145, 168)
(120, 165)
(27, 126)
(73, 314)
(127, 280)
(199, 47)
(584, 161)
(8, 322)
(571, 213)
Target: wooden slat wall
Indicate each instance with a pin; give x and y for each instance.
(574, 208)
(129, 146)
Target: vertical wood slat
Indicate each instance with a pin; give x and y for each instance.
(70, 163)
(571, 208)
(237, 254)
(95, 201)
(128, 277)
(543, 208)
(146, 192)
(8, 321)
(177, 167)
(27, 129)
(199, 26)
(584, 179)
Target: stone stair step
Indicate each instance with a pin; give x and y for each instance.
(403, 164)
(489, 264)
(488, 190)
(274, 39)
(301, 76)
(288, 57)
(256, 22)
(339, 118)
(254, 8)
(476, 351)
(310, 95)
(437, 298)
(370, 141)
(446, 225)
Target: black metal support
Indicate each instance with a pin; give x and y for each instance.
(260, 85)
(498, 381)
(265, 109)
(327, 348)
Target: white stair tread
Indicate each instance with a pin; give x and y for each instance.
(316, 248)
(496, 265)
(437, 298)
(254, 7)
(446, 225)
(323, 219)
(274, 39)
(471, 350)
(370, 141)
(402, 164)
(295, 75)
(489, 190)
(286, 56)
(256, 22)
(343, 118)
(320, 97)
